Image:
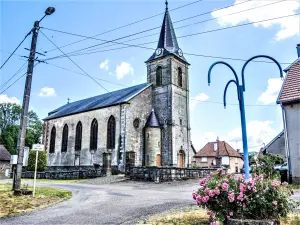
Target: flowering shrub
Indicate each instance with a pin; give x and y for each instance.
(228, 197)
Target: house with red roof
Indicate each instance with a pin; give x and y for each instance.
(217, 154)
(289, 99)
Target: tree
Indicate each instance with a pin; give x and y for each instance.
(42, 161)
(9, 115)
(9, 127)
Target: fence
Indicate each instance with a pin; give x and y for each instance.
(161, 174)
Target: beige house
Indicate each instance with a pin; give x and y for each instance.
(217, 154)
(289, 99)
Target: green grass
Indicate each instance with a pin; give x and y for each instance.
(47, 180)
(11, 205)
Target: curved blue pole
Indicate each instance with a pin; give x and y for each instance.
(225, 91)
(226, 64)
(259, 56)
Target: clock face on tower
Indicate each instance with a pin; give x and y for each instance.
(180, 53)
(158, 51)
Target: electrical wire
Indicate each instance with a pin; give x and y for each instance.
(74, 62)
(129, 24)
(221, 103)
(15, 49)
(15, 74)
(203, 21)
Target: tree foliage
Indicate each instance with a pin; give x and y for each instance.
(42, 161)
(9, 127)
(266, 163)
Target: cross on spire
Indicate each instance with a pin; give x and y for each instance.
(68, 100)
(166, 4)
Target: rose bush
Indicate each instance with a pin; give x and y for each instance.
(226, 196)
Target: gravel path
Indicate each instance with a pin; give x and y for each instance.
(117, 203)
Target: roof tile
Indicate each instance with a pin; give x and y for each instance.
(224, 149)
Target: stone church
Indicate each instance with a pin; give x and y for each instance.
(143, 125)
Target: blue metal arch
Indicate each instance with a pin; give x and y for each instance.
(225, 91)
(259, 56)
(226, 64)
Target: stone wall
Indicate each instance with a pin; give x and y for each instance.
(162, 174)
(4, 166)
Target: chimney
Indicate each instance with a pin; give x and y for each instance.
(238, 150)
(298, 50)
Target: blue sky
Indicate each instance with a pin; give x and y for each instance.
(52, 86)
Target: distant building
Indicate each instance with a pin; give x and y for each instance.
(4, 162)
(289, 99)
(217, 154)
(276, 146)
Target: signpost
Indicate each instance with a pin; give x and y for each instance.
(37, 148)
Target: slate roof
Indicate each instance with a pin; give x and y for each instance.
(224, 149)
(152, 120)
(100, 101)
(167, 41)
(4, 154)
(290, 91)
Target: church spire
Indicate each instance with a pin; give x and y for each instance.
(167, 42)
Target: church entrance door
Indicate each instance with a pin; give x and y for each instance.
(181, 157)
(158, 160)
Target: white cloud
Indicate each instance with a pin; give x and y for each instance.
(258, 132)
(270, 95)
(6, 99)
(104, 64)
(123, 69)
(288, 26)
(200, 97)
(47, 92)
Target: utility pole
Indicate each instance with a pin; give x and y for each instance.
(25, 106)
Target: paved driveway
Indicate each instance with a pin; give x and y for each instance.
(124, 202)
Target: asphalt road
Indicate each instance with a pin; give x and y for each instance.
(118, 203)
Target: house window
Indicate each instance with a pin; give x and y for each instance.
(64, 143)
(52, 140)
(180, 122)
(225, 160)
(111, 132)
(204, 159)
(179, 77)
(159, 76)
(94, 135)
(78, 136)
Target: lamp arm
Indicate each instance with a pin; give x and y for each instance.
(225, 91)
(259, 56)
(226, 64)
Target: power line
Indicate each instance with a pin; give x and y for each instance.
(126, 25)
(221, 103)
(84, 74)
(140, 32)
(15, 49)
(188, 35)
(123, 43)
(74, 62)
(15, 74)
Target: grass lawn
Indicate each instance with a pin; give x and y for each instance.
(12, 205)
(197, 216)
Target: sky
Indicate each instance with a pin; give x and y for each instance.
(114, 67)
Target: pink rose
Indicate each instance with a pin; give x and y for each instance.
(228, 217)
(225, 187)
(211, 193)
(254, 190)
(242, 187)
(194, 196)
(209, 213)
(199, 200)
(225, 180)
(240, 197)
(214, 223)
(230, 213)
(275, 203)
(285, 183)
(231, 197)
(244, 205)
(205, 199)
(217, 191)
(202, 182)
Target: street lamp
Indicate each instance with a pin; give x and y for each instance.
(240, 93)
(25, 105)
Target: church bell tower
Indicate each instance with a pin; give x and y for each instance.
(167, 70)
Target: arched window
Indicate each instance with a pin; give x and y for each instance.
(94, 135)
(64, 143)
(78, 136)
(179, 77)
(159, 76)
(52, 140)
(111, 132)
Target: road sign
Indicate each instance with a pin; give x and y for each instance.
(38, 147)
(14, 159)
